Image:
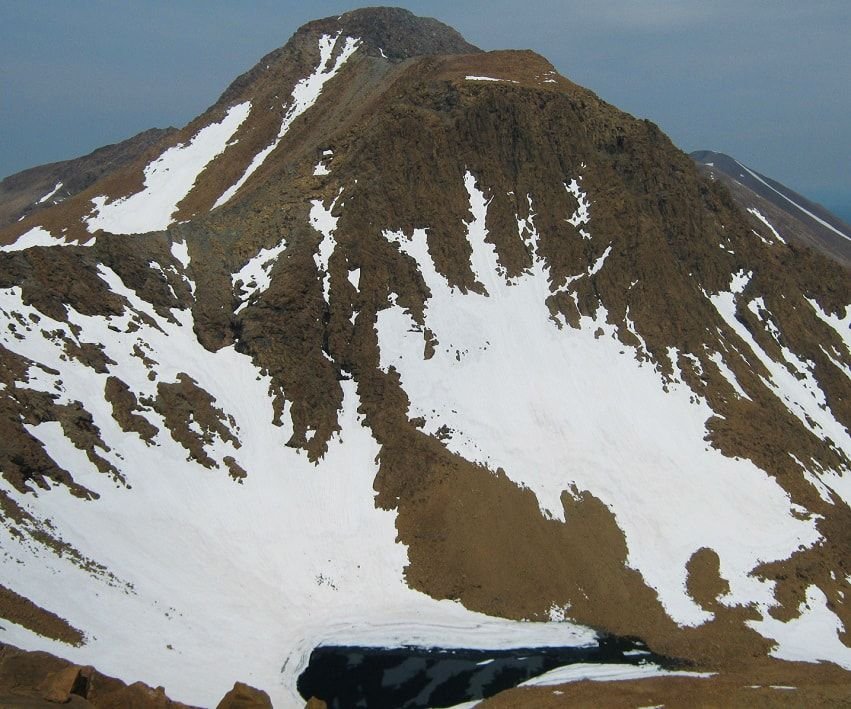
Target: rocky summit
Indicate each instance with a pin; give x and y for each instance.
(406, 344)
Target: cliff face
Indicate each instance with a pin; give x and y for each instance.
(398, 316)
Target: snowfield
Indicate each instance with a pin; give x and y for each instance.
(586, 413)
(249, 576)
(168, 179)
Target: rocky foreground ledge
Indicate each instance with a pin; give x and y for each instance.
(39, 679)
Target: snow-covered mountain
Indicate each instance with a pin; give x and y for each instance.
(402, 342)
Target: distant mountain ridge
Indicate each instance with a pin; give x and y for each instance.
(46, 185)
(804, 220)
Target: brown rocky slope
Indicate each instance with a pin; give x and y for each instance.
(46, 185)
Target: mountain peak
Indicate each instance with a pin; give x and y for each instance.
(393, 32)
(389, 33)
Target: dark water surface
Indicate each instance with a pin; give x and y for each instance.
(416, 678)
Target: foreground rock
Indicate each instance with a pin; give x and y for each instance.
(765, 685)
(39, 680)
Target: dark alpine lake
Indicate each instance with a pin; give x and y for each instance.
(416, 677)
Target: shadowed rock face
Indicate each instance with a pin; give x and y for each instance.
(581, 364)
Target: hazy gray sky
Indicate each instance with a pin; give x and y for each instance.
(767, 81)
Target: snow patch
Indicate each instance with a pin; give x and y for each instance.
(37, 236)
(841, 325)
(728, 374)
(50, 194)
(630, 326)
(255, 276)
(322, 219)
(168, 179)
(484, 260)
(774, 232)
(582, 215)
(600, 672)
(598, 264)
(812, 636)
(354, 278)
(304, 95)
(488, 78)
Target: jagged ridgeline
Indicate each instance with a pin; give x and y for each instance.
(402, 342)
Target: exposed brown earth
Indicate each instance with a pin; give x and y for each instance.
(183, 404)
(243, 696)
(124, 408)
(776, 684)
(24, 612)
(41, 677)
(705, 583)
